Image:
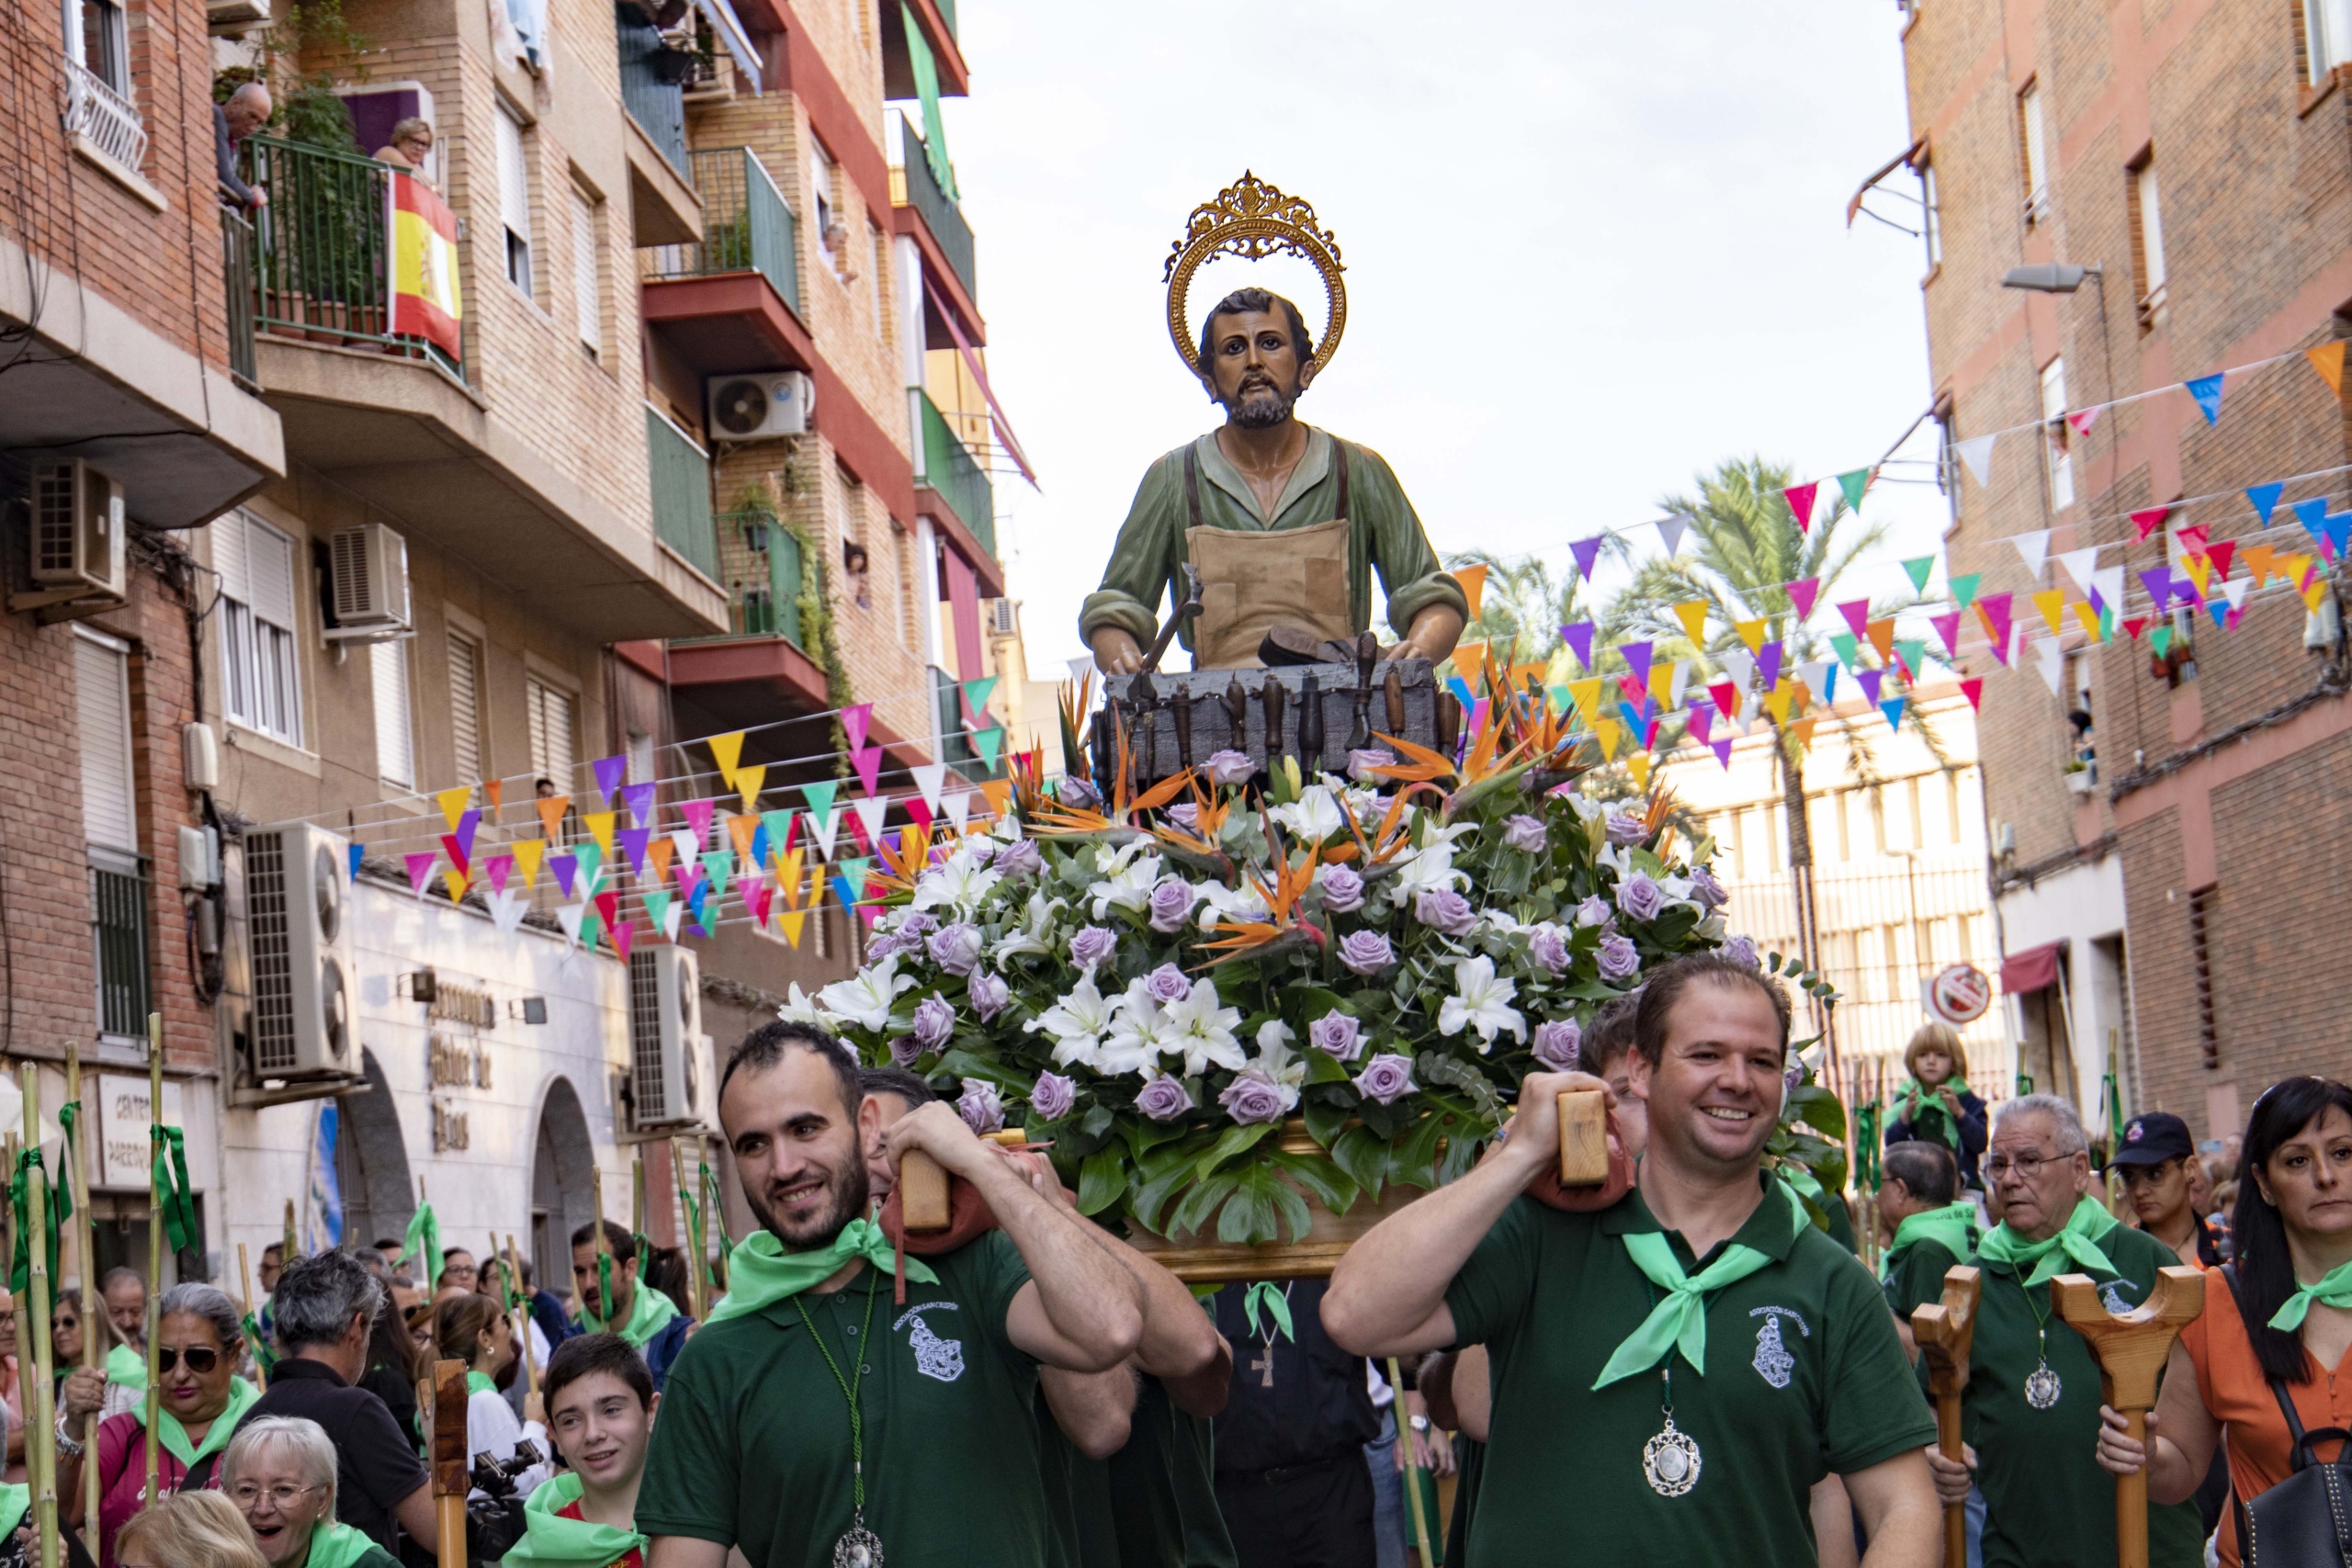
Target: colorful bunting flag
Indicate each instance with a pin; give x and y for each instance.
(1978, 455)
(856, 721)
(639, 798)
(1586, 552)
(1799, 500)
(1471, 579)
(2207, 390)
(528, 852)
(1948, 628)
(698, 815)
(1802, 593)
(2265, 498)
(1692, 613)
(2081, 420)
(988, 743)
(2145, 521)
(976, 698)
(1638, 659)
(1993, 609)
(600, 828)
(609, 771)
(1671, 530)
(1853, 483)
(1919, 568)
(1963, 588)
(1893, 707)
(2079, 565)
(2328, 360)
(551, 808)
(2051, 602)
(1578, 636)
(420, 869)
(1881, 636)
(1857, 614)
(727, 751)
(453, 803)
(1849, 652)
(2033, 547)
(1752, 632)
(1974, 689)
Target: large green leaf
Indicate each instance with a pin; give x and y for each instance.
(1152, 1195)
(1818, 1109)
(1324, 1180)
(1325, 1122)
(1234, 1141)
(1363, 1154)
(1414, 1164)
(965, 1064)
(1101, 1180)
(1202, 1201)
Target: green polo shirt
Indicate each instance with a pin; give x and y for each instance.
(1163, 1490)
(752, 1448)
(1470, 1463)
(1915, 1275)
(1805, 1377)
(1385, 536)
(1078, 1499)
(2047, 1502)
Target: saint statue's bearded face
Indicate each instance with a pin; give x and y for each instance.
(1255, 362)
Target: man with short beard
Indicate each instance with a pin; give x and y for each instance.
(814, 1420)
(1340, 513)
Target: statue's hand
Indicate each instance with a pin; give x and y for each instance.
(1115, 652)
(1431, 635)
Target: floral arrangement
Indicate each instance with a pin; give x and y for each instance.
(1155, 985)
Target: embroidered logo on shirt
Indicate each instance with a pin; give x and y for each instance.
(934, 1357)
(1773, 1363)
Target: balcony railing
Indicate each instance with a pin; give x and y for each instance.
(939, 215)
(659, 107)
(759, 560)
(954, 741)
(321, 269)
(747, 226)
(103, 117)
(680, 471)
(237, 276)
(946, 467)
(119, 930)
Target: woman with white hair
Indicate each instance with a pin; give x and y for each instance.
(280, 1472)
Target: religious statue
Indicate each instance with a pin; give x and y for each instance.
(1283, 525)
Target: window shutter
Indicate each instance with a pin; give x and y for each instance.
(513, 175)
(228, 537)
(270, 576)
(551, 733)
(102, 679)
(465, 705)
(395, 747)
(584, 272)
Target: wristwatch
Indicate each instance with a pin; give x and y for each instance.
(65, 1443)
(1421, 1423)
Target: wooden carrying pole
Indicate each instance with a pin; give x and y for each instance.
(154, 1257)
(86, 1258)
(922, 1185)
(2132, 1347)
(32, 1317)
(1412, 1456)
(523, 1316)
(1944, 1331)
(1584, 1138)
(441, 1404)
(245, 1292)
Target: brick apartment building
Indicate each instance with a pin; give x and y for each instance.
(2165, 830)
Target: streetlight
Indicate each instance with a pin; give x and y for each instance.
(2049, 278)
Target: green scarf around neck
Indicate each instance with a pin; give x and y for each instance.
(1953, 1225)
(335, 1545)
(2078, 1242)
(14, 1503)
(1931, 1120)
(760, 1272)
(1680, 1319)
(551, 1542)
(648, 1312)
(173, 1437)
(479, 1382)
(2331, 1289)
(127, 1368)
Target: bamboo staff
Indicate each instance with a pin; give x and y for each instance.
(154, 1257)
(285, 1252)
(690, 1234)
(523, 1314)
(603, 1252)
(40, 1421)
(245, 1290)
(1413, 1459)
(94, 1311)
(25, 1376)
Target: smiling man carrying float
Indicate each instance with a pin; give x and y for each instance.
(816, 1422)
(1673, 1374)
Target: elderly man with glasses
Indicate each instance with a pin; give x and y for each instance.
(2031, 1406)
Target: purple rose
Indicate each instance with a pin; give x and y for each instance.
(1186, 815)
(1593, 912)
(885, 945)
(1228, 767)
(934, 1021)
(1526, 834)
(1365, 953)
(1709, 893)
(1020, 858)
(1361, 763)
(1640, 897)
(1548, 948)
(1558, 1044)
(1337, 1034)
(1251, 1098)
(1052, 1097)
(1092, 946)
(1076, 791)
(991, 996)
(903, 1051)
(981, 1106)
(1164, 1099)
(956, 948)
(1619, 961)
(1625, 830)
(1166, 983)
(983, 850)
(1387, 1078)
(1441, 908)
(1342, 890)
(1742, 950)
(1172, 904)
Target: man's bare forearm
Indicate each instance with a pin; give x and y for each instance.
(1178, 1338)
(1392, 1282)
(1090, 1297)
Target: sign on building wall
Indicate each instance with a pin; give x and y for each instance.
(124, 1118)
(1958, 995)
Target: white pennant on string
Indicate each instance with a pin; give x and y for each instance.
(1978, 455)
(2108, 583)
(1081, 667)
(1672, 529)
(822, 834)
(670, 918)
(688, 846)
(568, 917)
(2035, 547)
(928, 779)
(1675, 683)
(506, 911)
(1752, 710)
(2235, 591)
(2081, 565)
(960, 809)
(872, 810)
(2051, 659)
(1740, 664)
(1816, 674)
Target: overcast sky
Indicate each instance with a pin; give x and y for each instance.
(1591, 249)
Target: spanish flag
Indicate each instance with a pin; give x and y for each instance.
(425, 266)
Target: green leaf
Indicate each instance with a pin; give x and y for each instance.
(1819, 1109)
(1414, 1163)
(1152, 1196)
(1325, 1122)
(1235, 1140)
(1293, 1208)
(1363, 1154)
(965, 1064)
(1317, 1173)
(1321, 1067)
(1202, 1201)
(1101, 1180)
(1483, 1103)
(1304, 1004)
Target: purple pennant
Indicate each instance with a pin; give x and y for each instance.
(1587, 551)
(467, 824)
(1580, 640)
(1768, 664)
(1869, 680)
(639, 798)
(632, 841)
(2158, 580)
(1637, 660)
(608, 772)
(564, 868)
(1722, 753)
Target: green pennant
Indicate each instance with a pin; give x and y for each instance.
(657, 907)
(592, 865)
(779, 827)
(1850, 652)
(1914, 652)
(20, 1266)
(2160, 638)
(1853, 482)
(820, 799)
(1920, 570)
(1963, 588)
(852, 873)
(976, 695)
(988, 743)
(717, 866)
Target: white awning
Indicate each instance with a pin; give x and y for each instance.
(723, 22)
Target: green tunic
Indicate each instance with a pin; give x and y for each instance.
(1915, 1275)
(1385, 536)
(1163, 1489)
(2047, 1502)
(1805, 1377)
(752, 1448)
(1082, 1533)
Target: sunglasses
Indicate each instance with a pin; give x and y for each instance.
(200, 1359)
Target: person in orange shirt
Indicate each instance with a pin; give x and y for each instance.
(2277, 1322)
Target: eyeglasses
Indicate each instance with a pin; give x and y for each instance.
(2028, 1167)
(283, 1496)
(200, 1359)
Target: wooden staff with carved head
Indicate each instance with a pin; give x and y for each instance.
(1945, 1331)
(2132, 1348)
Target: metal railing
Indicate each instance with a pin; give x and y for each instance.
(747, 226)
(658, 107)
(954, 741)
(106, 120)
(118, 931)
(947, 15)
(237, 280)
(680, 472)
(759, 561)
(322, 268)
(949, 468)
(939, 215)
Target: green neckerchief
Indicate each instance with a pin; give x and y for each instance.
(2077, 1241)
(20, 1268)
(649, 1312)
(172, 1436)
(479, 1382)
(551, 1542)
(1917, 1102)
(1680, 1320)
(422, 1241)
(337, 1546)
(2331, 1289)
(761, 1272)
(126, 1367)
(14, 1502)
(1277, 1301)
(1953, 1225)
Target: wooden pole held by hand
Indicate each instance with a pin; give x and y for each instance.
(1584, 1138)
(245, 1292)
(2132, 1347)
(154, 1322)
(522, 1330)
(441, 1405)
(923, 1192)
(94, 1308)
(1944, 1331)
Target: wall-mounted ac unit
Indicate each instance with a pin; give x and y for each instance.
(754, 408)
(369, 566)
(79, 535)
(304, 979)
(1003, 619)
(665, 1037)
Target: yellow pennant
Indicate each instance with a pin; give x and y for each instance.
(1638, 764)
(727, 751)
(453, 882)
(453, 803)
(789, 921)
(2051, 602)
(751, 778)
(1776, 703)
(1692, 613)
(787, 876)
(2315, 590)
(1586, 694)
(527, 852)
(600, 828)
(2201, 571)
(1473, 579)
(1751, 632)
(2089, 614)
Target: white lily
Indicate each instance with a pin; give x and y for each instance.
(1429, 869)
(866, 996)
(1203, 1031)
(801, 1008)
(1481, 1000)
(1314, 817)
(1284, 1070)
(1219, 902)
(1128, 886)
(1033, 936)
(1076, 1023)
(960, 881)
(1140, 1029)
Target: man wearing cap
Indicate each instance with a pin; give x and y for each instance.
(2153, 1159)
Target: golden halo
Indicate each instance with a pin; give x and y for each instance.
(1253, 219)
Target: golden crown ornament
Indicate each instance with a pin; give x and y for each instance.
(1253, 219)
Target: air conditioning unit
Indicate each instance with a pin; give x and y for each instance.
(665, 1035)
(369, 566)
(304, 978)
(1002, 620)
(754, 408)
(79, 532)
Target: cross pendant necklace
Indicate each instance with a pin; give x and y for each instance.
(1264, 1365)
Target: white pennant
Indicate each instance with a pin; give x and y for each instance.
(1818, 675)
(1740, 664)
(1672, 529)
(672, 916)
(1674, 686)
(871, 812)
(1978, 455)
(2108, 583)
(2034, 548)
(568, 917)
(1750, 712)
(960, 809)
(2081, 565)
(2235, 591)
(689, 848)
(1081, 667)
(2051, 659)
(822, 834)
(928, 778)
(506, 911)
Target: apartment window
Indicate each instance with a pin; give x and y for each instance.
(2061, 462)
(830, 230)
(395, 740)
(1931, 222)
(1951, 806)
(514, 198)
(2328, 38)
(100, 40)
(110, 828)
(261, 686)
(2147, 223)
(2033, 146)
(554, 724)
(2200, 965)
(587, 304)
(465, 707)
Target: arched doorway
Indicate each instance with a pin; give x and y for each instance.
(371, 1162)
(562, 1177)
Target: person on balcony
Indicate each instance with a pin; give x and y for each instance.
(411, 145)
(246, 111)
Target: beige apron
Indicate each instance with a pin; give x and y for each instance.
(1251, 582)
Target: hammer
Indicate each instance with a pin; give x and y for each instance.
(1176, 617)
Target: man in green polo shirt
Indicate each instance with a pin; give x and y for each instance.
(1673, 1374)
(1930, 1227)
(816, 1420)
(2030, 1410)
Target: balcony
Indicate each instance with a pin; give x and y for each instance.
(747, 227)
(913, 185)
(653, 84)
(237, 281)
(730, 301)
(935, 34)
(943, 465)
(759, 560)
(680, 474)
(98, 115)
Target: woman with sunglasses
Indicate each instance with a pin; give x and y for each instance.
(280, 1472)
(202, 1400)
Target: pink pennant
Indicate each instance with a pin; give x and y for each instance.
(1857, 615)
(1973, 690)
(697, 813)
(856, 721)
(919, 811)
(420, 869)
(1726, 697)
(2081, 420)
(2193, 535)
(1634, 691)
(1802, 593)
(1994, 610)
(623, 935)
(867, 760)
(498, 868)
(2146, 519)
(1948, 628)
(1799, 500)
(1702, 719)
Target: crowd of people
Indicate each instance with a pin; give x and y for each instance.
(1683, 1358)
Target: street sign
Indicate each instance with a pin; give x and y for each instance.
(1958, 995)
(124, 1116)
